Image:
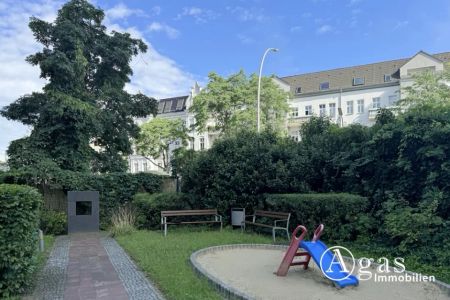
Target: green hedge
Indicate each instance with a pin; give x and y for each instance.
(19, 220)
(53, 222)
(149, 207)
(344, 215)
(115, 189)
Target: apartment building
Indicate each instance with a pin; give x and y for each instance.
(354, 94)
(172, 108)
(346, 95)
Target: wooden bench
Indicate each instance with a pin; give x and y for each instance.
(280, 217)
(183, 213)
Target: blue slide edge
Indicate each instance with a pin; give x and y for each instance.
(316, 250)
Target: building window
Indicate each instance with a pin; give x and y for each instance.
(392, 100)
(191, 122)
(324, 86)
(349, 107)
(193, 144)
(387, 78)
(177, 143)
(294, 136)
(358, 80)
(332, 107)
(136, 167)
(376, 102)
(294, 112)
(298, 90)
(360, 106)
(202, 143)
(322, 110)
(145, 166)
(308, 110)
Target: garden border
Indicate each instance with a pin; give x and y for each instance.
(232, 293)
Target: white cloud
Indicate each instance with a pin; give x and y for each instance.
(156, 10)
(171, 32)
(246, 15)
(121, 11)
(154, 74)
(199, 14)
(324, 29)
(295, 28)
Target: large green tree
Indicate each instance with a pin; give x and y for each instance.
(230, 103)
(84, 103)
(158, 135)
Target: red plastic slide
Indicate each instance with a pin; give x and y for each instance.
(294, 250)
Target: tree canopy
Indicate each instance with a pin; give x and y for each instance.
(231, 103)
(157, 135)
(84, 105)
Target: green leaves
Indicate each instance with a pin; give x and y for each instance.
(231, 103)
(84, 102)
(157, 135)
(19, 219)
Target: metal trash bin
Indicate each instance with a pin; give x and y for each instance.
(237, 216)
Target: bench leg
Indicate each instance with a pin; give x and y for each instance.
(165, 227)
(273, 234)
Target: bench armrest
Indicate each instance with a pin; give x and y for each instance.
(284, 220)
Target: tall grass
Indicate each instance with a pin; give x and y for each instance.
(123, 221)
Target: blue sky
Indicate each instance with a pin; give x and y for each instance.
(188, 39)
(311, 34)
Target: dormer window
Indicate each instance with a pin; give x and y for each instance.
(387, 78)
(324, 86)
(298, 90)
(358, 80)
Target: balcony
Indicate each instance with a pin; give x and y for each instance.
(373, 113)
(297, 121)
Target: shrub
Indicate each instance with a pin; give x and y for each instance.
(123, 221)
(53, 222)
(149, 207)
(341, 213)
(115, 189)
(19, 220)
(237, 170)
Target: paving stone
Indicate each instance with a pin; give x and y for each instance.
(51, 281)
(137, 285)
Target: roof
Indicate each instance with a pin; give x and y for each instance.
(342, 78)
(174, 104)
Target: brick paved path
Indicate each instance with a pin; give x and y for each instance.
(88, 266)
(90, 274)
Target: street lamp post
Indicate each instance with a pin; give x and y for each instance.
(258, 125)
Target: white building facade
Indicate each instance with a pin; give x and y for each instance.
(354, 94)
(351, 95)
(172, 108)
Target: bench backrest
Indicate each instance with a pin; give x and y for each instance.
(272, 214)
(198, 212)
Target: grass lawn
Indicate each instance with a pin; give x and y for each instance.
(166, 259)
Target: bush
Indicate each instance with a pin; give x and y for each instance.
(149, 207)
(115, 189)
(53, 222)
(19, 220)
(123, 221)
(341, 213)
(237, 170)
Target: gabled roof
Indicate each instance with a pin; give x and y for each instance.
(170, 105)
(342, 78)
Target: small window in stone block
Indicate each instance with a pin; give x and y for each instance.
(83, 208)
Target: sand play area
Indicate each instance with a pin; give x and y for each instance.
(251, 271)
